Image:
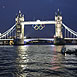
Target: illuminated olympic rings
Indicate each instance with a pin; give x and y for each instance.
(38, 26)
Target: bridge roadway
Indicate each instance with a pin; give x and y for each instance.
(11, 41)
(70, 38)
(48, 39)
(26, 39)
(7, 41)
(30, 39)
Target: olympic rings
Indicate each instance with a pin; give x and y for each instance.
(38, 26)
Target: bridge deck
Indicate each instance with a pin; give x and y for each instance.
(70, 38)
(6, 39)
(50, 39)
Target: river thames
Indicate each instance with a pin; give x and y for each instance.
(37, 61)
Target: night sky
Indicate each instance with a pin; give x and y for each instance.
(38, 9)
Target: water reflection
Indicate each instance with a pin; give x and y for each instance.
(59, 48)
(57, 59)
(22, 60)
(43, 61)
(37, 61)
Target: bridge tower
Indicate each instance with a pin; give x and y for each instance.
(19, 29)
(58, 28)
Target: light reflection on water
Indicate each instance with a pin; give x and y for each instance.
(37, 61)
(22, 60)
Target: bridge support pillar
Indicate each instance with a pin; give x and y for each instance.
(58, 37)
(19, 40)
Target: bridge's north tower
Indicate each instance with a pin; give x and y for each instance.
(19, 29)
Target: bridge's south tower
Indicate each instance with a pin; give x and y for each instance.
(58, 28)
(19, 29)
(58, 25)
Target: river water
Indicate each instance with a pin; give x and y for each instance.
(37, 61)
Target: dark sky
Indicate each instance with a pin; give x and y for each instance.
(38, 9)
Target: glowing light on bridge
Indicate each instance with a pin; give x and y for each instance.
(38, 26)
(37, 22)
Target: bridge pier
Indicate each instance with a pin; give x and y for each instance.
(19, 40)
(58, 37)
(59, 41)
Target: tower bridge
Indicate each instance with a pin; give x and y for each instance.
(15, 35)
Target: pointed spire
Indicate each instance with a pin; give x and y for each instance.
(58, 13)
(20, 13)
(58, 10)
(23, 15)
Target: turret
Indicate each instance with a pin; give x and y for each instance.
(19, 18)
